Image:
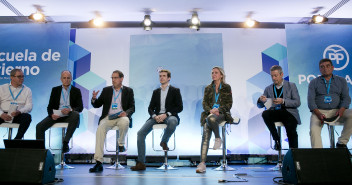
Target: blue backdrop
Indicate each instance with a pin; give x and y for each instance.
(41, 51)
(306, 46)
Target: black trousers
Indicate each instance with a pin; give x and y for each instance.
(24, 119)
(45, 124)
(289, 121)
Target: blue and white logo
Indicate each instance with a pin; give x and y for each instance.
(338, 55)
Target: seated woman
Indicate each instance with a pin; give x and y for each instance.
(217, 103)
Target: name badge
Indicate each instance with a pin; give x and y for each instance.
(327, 99)
(114, 106)
(216, 106)
(278, 107)
(14, 103)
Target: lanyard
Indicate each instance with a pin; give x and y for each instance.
(217, 94)
(14, 99)
(282, 90)
(115, 97)
(327, 86)
(63, 96)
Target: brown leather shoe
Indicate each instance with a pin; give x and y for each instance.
(139, 167)
(164, 146)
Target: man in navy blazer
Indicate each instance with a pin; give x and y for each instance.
(68, 100)
(164, 107)
(282, 100)
(118, 106)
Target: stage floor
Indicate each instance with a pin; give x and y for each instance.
(255, 174)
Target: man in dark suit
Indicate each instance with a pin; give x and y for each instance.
(66, 100)
(164, 107)
(282, 100)
(118, 106)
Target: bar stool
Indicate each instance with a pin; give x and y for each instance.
(331, 127)
(10, 126)
(62, 164)
(165, 166)
(278, 166)
(224, 166)
(117, 165)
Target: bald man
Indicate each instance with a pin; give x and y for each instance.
(66, 100)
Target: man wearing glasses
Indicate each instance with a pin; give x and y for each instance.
(118, 106)
(65, 104)
(16, 102)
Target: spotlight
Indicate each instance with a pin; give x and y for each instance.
(318, 19)
(147, 23)
(194, 22)
(98, 22)
(249, 23)
(38, 16)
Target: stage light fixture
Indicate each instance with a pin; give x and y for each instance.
(97, 22)
(318, 19)
(147, 23)
(38, 16)
(249, 23)
(194, 22)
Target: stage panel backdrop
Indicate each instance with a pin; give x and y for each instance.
(307, 45)
(245, 54)
(41, 51)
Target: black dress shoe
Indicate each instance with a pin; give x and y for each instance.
(122, 148)
(164, 146)
(98, 167)
(338, 145)
(139, 166)
(277, 146)
(65, 147)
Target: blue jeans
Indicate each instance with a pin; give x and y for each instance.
(171, 122)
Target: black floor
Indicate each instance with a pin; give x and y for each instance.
(255, 174)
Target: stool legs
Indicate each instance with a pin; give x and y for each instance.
(278, 166)
(332, 136)
(10, 133)
(62, 164)
(224, 166)
(117, 165)
(166, 166)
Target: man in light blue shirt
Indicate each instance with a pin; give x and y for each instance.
(328, 96)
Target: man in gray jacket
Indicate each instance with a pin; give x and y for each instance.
(282, 100)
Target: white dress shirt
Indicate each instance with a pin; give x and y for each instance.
(24, 100)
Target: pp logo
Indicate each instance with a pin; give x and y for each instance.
(338, 55)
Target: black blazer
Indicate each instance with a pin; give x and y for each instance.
(105, 98)
(75, 99)
(173, 102)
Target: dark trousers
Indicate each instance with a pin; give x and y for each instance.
(24, 119)
(290, 123)
(45, 124)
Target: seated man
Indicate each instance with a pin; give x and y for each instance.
(117, 111)
(284, 99)
(164, 107)
(16, 102)
(68, 100)
(328, 96)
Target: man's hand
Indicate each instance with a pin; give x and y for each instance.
(55, 117)
(160, 118)
(340, 111)
(123, 114)
(262, 98)
(6, 117)
(278, 101)
(94, 97)
(65, 111)
(16, 113)
(214, 111)
(320, 116)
